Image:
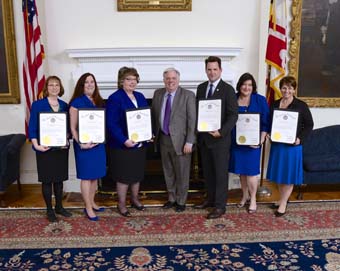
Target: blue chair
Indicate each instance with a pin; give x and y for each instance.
(10, 146)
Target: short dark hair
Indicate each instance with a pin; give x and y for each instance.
(125, 72)
(213, 59)
(289, 81)
(245, 77)
(56, 78)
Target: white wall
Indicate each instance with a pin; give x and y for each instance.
(71, 24)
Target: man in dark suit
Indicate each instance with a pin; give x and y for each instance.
(174, 117)
(214, 146)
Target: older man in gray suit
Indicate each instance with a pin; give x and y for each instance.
(174, 116)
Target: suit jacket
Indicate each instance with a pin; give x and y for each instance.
(229, 110)
(38, 106)
(182, 118)
(41, 106)
(116, 107)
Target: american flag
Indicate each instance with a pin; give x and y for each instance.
(276, 55)
(33, 75)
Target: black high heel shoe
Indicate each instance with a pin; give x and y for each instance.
(138, 208)
(51, 216)
(125, 214)
(279, 214)
(274, 206)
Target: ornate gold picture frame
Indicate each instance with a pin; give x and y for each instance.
(154, 5)
(313, 51)
(9, 83)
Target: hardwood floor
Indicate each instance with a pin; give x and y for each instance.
(30, 196)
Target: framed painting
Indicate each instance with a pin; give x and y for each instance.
(9, 83)
(151, 5)
(315, 51)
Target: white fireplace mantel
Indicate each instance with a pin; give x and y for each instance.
(150, 63)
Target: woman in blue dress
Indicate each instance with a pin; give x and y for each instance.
(245, 160)
(127, 158)
(52, 163)
(90, 157)
(285, 161)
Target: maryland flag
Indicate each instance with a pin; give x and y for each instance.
(276, 55)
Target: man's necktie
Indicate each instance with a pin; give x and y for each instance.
(210, 92)
(167, 113)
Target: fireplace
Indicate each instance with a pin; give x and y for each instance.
(150, 63)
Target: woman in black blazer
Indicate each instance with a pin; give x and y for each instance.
(285, 161)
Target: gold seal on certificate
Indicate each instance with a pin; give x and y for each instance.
(277, 136)
(242, 139)
(84, 137)
(284, 126)
(91, 125)
(134, 137)
(209, 115)
(46, 140)
(203, 126)
(248, 129)
(139, 124)
(53, 129)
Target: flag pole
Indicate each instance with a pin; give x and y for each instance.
(262, 190)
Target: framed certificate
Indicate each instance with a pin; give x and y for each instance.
(284, 126)
(209, 115)
(139, 124)
(53, 129)
(248, 129)
(91, 125)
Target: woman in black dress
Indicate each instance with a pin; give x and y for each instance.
(127, 157)
(52, 163)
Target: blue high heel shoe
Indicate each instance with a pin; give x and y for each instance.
(100, 209)
(95, 218)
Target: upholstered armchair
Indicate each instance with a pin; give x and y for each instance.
(321, 157)
(10, 146)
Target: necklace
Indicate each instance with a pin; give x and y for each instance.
(54, 105)
(243, 101)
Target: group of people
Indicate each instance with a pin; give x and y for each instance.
(52, 162)
(174, 121)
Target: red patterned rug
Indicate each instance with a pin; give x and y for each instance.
(155, 226)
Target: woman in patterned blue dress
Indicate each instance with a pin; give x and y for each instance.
(285, 161)
(90, 157)
(245, 160)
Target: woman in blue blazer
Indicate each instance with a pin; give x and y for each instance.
(245, 160)
(52, 163)
(127, 157)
